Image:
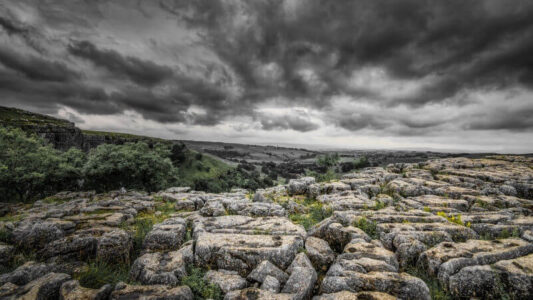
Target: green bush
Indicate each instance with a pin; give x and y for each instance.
(29, 168)
(199, 286)
(368, 226)
(317, 213)
(133, 165)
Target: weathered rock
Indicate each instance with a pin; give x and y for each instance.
(226, 280)
(299, 186)
(266, 268)
(256, 294)
(319, 253)
(31, 271)
(114, 246)
(151, 292)
(300, 261)
(6, 253)
(71, 290)
(213, 208)
(300, 283)
(43, 288)
(37, 233)
(271, 284)
(162, 267)
(259, 197)
(166, 236)
(345, 295)
(507, 278)
(78, 246)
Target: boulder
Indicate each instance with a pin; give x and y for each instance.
(114, 246)
(319, 253)
(271, 284)
(299, 186)
(71, 290)
(266, 268)
(151, 292)
(43, 288)
(300, 283)
(6, 253)
(162, 267)
(226, 280)
(35, 234)
(165, 236)
(256, 294)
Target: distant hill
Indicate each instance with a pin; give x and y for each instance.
(63, 134)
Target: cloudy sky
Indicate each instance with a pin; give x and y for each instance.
(446, 75)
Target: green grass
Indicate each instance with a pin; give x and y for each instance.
(196, 167)
(121, 135)
(317, 212)
(199, 286)
(17, 117)
(368, 226)
(98, 273)
(20, 258)
(12, 218)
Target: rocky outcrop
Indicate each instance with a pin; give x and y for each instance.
(465, 224)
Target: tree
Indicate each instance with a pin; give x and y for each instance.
(132, 165)
(328, 160)
(178, 153)
(30, 168)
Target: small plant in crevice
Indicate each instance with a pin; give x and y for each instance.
(317, 213)
(98, 273)
(435, 289)
(199, 286)
(451, 218)
(368, 226)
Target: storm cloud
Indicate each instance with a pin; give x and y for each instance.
(405, 70)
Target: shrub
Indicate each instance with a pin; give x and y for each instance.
(29, 168)
(199, 286)
(368, 226)
(133, 165)
(317, 213)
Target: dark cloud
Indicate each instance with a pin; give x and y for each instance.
(36, 68)
(294, 122)
(140, 71)
(229, 57)
(464, 43)
(504, 119)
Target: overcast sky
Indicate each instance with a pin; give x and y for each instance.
(452, 74)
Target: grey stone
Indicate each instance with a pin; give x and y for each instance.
(301, 283)
(271, 284)
(319, 253)
(226, 280)
(266, 268)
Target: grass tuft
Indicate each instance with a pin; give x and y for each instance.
(368, 226)
(435, 289)
(199, 286)
(317, 213)
(98, 273)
